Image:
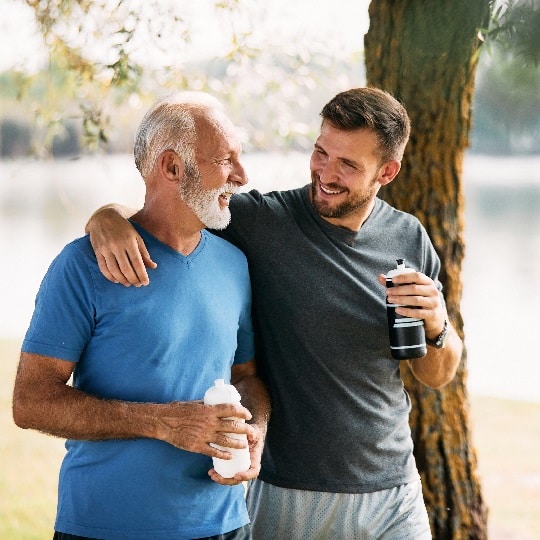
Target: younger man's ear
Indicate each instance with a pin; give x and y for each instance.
(388, 171)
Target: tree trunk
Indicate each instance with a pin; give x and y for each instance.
(425, 52)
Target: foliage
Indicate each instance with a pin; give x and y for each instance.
(109, 58)
(507, 102)
(516, 25)
(506, 105)
(92, 43)
(117, 55)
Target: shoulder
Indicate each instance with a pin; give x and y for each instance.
(388, 210)
(224, 248)
(254, 215)
(71, 274)
(412, 237)
(77, 253)
(392, 218)
(254, 199)
(254, 208)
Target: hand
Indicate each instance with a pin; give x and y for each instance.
(193, 426)
(120, 251)
(256, 444)
(420, 298)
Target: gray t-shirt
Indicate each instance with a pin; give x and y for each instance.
(339, 410)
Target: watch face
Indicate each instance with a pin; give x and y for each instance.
(440, 340)
(443, 336)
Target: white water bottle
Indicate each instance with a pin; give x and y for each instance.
(216, 395)
(407, 335)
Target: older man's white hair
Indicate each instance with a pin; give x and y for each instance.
(170, 125)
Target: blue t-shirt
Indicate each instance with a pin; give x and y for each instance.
(165, 342)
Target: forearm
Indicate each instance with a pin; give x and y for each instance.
(66, 412)
(112, 209)
(256, 399)
(439, 366)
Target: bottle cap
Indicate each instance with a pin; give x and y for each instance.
(221, 393)
(399, 269)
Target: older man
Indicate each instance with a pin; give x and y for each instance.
(140, 440)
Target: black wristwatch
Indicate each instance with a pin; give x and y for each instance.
(440, 341)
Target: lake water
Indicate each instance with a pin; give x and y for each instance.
(43, 205)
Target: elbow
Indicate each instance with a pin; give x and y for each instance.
(20, 418)
(440, 383)
(23, 416)
(435, 382)
(435, 376)
(447, 377)
(444, 376)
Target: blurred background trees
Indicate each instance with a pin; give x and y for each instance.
(107, 60)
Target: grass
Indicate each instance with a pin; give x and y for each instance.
(507, 437)
(506, 434)
(29, 466)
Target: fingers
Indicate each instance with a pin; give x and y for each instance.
(416, 295)
(256, 444)
(224, 441)
(233, 433)
(223, 481)
(104, 268)
(138, 259)
(120, 251)
(238, 478)
(412, 277)
(196, 427)
(116, 267)
(417, 288)
(127, 267)
(145, 255)
(133, 269)
(130, 264)
(113, 268)
(231, 411)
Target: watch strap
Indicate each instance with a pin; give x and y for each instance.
(440, 341)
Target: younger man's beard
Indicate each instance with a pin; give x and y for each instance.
(204, 202)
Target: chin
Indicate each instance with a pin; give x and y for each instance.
(219, 221)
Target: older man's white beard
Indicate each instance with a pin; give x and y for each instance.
(205, 202)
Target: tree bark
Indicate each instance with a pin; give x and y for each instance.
(425, 52)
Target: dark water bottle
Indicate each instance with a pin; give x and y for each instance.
(407, 335)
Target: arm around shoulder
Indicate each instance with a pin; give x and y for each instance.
(120, 251)
(108, 211)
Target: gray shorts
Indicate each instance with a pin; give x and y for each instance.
(392, 514)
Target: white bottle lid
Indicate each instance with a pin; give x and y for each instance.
(400, 269)
(221, 393)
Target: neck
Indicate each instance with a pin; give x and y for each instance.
(354, 220)
(181, 233)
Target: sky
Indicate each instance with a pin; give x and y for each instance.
(339, 25)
